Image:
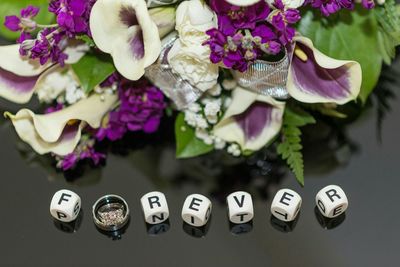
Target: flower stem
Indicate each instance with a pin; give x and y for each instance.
(47, 26)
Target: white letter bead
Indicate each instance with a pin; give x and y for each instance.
(331, 201)
(196, 210)
(155, 207)
(286, 205)
(65, 205)
(240, 207)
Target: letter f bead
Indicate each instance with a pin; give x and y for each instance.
(286, 205)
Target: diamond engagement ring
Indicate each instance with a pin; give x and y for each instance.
(110, 213)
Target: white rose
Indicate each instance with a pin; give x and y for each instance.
(188, 57)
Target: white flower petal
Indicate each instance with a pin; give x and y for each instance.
(13, 62)
(251, 120)
(243, 2)
(124, 29)
(52, 132)
(316, 78)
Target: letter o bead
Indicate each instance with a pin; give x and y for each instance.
(196, 210)
(286, 205)
(65, 205)
(155, 207)
(331, 201)
(240, 207)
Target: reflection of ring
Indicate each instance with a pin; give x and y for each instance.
(110, 213)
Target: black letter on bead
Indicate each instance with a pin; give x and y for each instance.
(208, 213)
(63, 195)
(76, 209)
(240, 204)
(154, 200)
(242, 216)
(161, 217)
(193, 203)
(337, 210)
(284, 196)
(321, 205)
(284, 215)
(61, 215)
(332, 195)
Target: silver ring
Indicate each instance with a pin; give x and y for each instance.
(110, 213)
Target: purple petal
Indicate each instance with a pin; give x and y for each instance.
(16, 83)
(137, 45)
(254, 119)
(12, 23)
(313, 79)
(127, 15)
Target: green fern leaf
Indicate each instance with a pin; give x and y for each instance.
(290, 146)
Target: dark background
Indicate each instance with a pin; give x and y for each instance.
(363, 158)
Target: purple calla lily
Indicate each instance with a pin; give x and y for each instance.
(316, 78)
(251, 120)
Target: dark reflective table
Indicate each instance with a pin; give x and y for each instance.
(363, 158)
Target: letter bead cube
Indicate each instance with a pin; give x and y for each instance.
(331, 201)
(155, 207)
(286, 205)
(65, 205)
(196, 210)
(240, 207)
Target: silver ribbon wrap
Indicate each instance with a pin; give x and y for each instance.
(157, 3)
(180, 91)
(266, 78)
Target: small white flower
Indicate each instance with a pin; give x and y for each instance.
(215, 91)
(194, 107)
(203, 135)
(234, 150)
(55, 83)
(73, 94)
(229, 84)
(219, 143)
(201, 122)
(212, 108)
(188, 57)
(190, 118)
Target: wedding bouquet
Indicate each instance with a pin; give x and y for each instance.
(238, 75)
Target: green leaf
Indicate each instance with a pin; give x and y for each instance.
(348, 35)
(187, 144)
(89, 41)
(388, 17)
(13, 7)
(290, 146)
(93, 69)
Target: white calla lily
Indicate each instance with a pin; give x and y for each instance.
(20, 77)
(316, 78)
(251, 120)
(59, 132)
(124, 29)
(242, 2)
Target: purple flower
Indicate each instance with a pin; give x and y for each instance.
(232, 18)
(281, 18)
(85, 150)
(48, 46)
(141, 109)
(23, 23)
(328, 7)
(55, 108)
(72, 15)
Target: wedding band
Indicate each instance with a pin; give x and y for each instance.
(110, 213)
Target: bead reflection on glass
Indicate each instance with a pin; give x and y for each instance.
(158, 229)
(115, 235)
(329, 223)
(197, 232)
(282, 226)
(69, 227)
(239, 229)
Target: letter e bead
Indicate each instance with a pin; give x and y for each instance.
(196, 210)
(240, 207)
(331, 201)
(65, 205)
(286, 205)
(155, 207)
